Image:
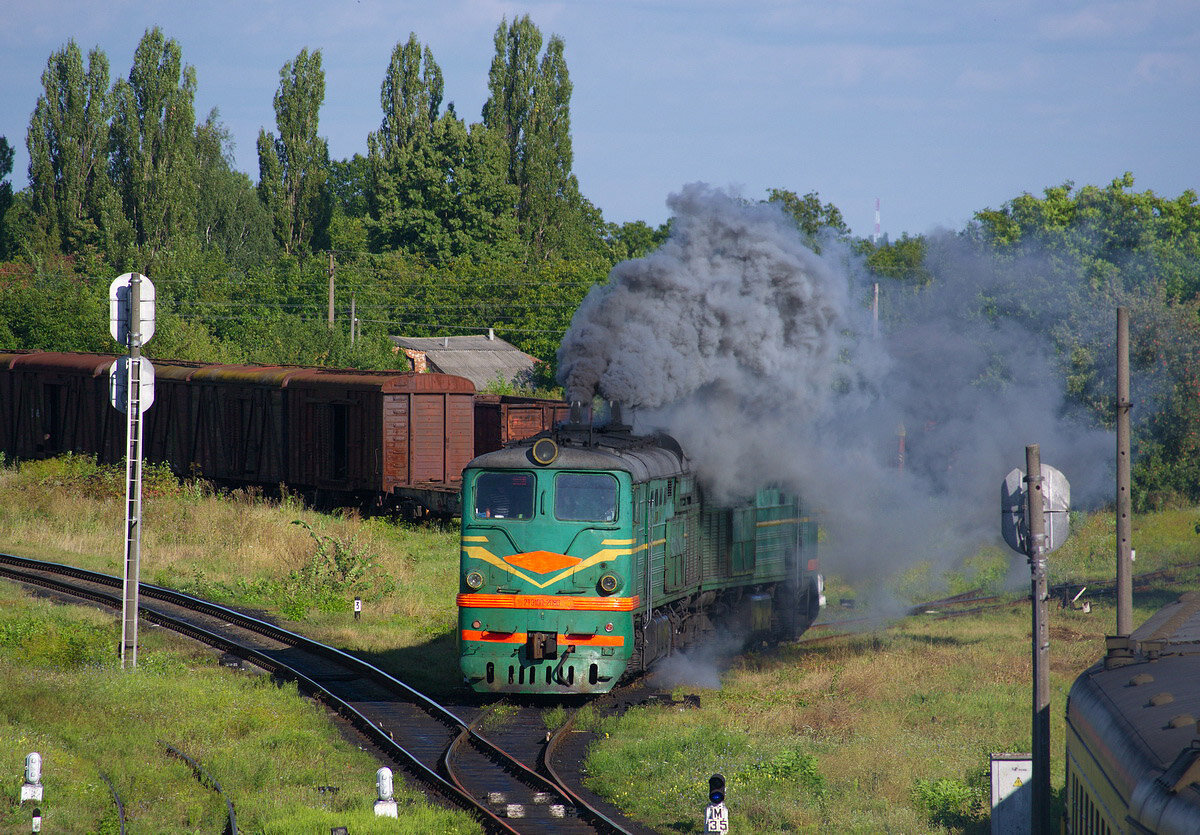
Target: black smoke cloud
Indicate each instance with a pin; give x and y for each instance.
(759, 356)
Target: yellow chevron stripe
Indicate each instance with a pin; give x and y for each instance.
(479, 553)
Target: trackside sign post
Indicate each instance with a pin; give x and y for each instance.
(1035, 508)
(716, 815)
(131, 322)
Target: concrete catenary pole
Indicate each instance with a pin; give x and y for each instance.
(1124, 504)
(331, 272)
(1040, 811)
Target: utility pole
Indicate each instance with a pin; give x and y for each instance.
(1035, 514)
(875, 313)
(1124, 504)
(331, 271)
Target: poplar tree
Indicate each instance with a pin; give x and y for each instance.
(529, 110)
(68, 150)
(438, 189)
(6, 196)
(293, 168)
(411, 97)
(153, 143)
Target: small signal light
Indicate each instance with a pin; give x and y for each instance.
(475, 624)
(608, 627)
(716, 788)
(475, 580)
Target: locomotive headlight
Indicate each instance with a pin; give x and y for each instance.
(475, 580)
(609, 583)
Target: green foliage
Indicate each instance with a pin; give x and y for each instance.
(153, 144)
(954, 804)
(791, 766)
(54, 639)
(294, 168)
(68, 143)
(634, 239)
(81, 475)
(7, 242)
(528, 111)
(230, 218)
(903, 259)
(812, 218)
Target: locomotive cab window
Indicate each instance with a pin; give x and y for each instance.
(585, 497)
(504, 496)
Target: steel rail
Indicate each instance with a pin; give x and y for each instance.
(539, 782)
(208, 781)
(547, 763)
(373, 732)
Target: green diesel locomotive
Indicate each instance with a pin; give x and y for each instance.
(591, 553)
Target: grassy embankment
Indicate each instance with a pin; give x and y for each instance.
(882, 731)
(63, 694)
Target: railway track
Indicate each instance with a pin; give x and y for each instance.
(972, 602)
(452, 759)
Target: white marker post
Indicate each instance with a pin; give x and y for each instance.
(31, 789)
(131, 322)
(385, 806)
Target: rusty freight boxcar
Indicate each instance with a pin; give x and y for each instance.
(503, 418)
(392, 439)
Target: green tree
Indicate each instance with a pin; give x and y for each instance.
(439, 189)
(1123, 239)
(153, 144)
(230, 218)
(68, 151)
(411, 97)
(528, 111)
(812, 217)
(350, 185)
(7, 245)
(634, 239)
(1096, 248)
(294, 168)
(902, 259)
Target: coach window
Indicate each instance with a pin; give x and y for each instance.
(504, 496)
(585, 497)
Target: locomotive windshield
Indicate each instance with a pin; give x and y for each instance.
(504, 496)
(585, 497)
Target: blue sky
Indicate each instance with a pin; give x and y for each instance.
(937, 108)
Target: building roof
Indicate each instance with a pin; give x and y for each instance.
(481, 359)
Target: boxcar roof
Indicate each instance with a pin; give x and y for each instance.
(93, 364)
(273, 376)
